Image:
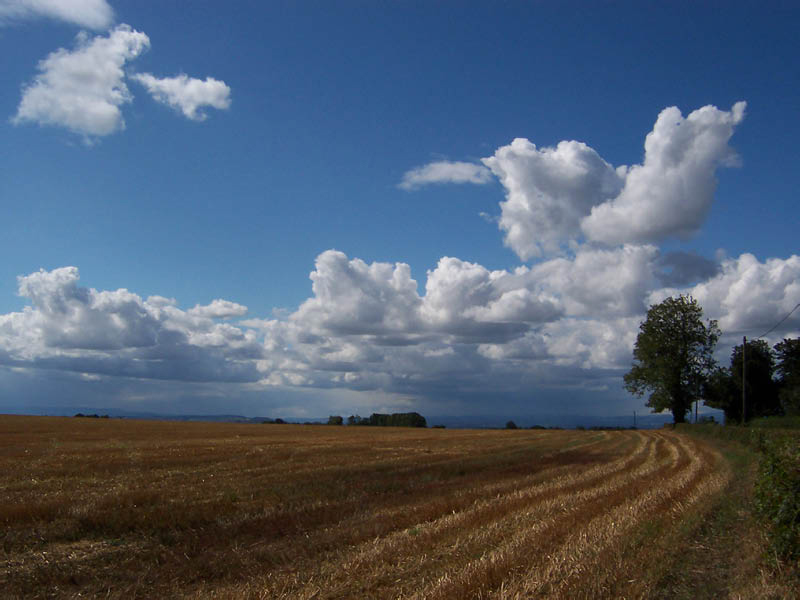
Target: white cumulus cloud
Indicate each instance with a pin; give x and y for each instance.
(352, 297)
(187, 94)
(83, 89)
(748, 295)
(219, 309)
(444, 171)
(474, 332)
(94, 14)
(558, 197)
(83, 330)
(669, 195)
(548, 192)
(468, 301)
(598, 282)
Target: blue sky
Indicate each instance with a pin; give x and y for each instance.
(198, 152)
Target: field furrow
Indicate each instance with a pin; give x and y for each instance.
(452, 535)
(124, 509)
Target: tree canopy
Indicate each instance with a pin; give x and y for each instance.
(410, 419)
(723, 389)
(673, 355)
(787, 353)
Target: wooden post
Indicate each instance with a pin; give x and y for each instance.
(744, 380)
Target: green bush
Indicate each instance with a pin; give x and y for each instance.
(778, 496)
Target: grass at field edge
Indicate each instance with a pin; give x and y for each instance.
(726, 556)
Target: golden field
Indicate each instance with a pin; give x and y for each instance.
(152, 509)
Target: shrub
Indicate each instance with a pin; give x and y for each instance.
(778, 496)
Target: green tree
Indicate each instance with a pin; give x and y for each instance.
(720, 391)
(762, 392)
(723, 389)
(787, 369)
(673, 355)
(335, 420)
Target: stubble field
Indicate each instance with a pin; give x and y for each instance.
(125, 509)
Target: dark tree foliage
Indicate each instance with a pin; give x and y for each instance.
(511, 425)
(673, 355)
(787, 369)
(762, 392)
(723, 389)
(719, 391)
(335, 420)
(411, 419)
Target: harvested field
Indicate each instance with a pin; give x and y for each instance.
(123, 509)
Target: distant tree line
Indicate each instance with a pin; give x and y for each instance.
(409, 419)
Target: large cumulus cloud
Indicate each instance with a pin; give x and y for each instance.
(559, 197)
(548, 192)
(118, 333)
(367, 328)
(669, 195)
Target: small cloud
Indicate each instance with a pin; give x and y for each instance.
(445, 172)
(83, 89)
(94, 14)
(219, 309)
(187, 94)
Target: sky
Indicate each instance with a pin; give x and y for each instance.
(303, 208)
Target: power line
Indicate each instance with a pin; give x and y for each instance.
(779, 322)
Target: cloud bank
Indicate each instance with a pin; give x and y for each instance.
(564, 324)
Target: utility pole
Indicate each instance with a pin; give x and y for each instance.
(744, 380)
